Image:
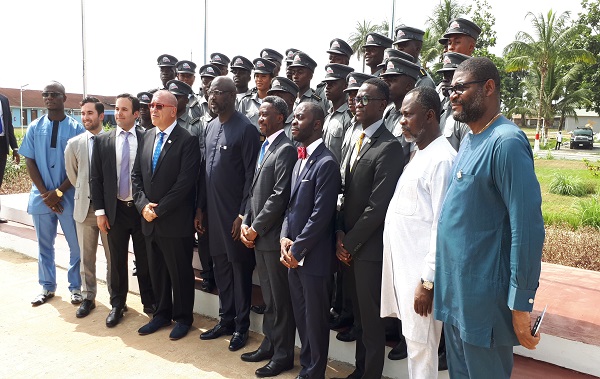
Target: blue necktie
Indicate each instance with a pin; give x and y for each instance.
(156, 154)
(124, 172)
(263, 150)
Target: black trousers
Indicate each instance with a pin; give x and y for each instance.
(128, 224)
(234, 281)
(173, 277)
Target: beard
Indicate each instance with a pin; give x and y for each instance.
(410, 137)
(471, 110)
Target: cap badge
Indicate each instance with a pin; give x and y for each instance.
(166, 60)
(260, 64)
(454, 25)
(275, 83)
(173, 86)
(335, 45)
(217, 58)
(400, 34)
(447, 60)
(351, 80)
(210, 69)
(290, 54)
(390, 66)
(185, 65)
(238, 62)
(370, 39)
(329, 70)
(264, 54)
(297, 58)
(145, 98)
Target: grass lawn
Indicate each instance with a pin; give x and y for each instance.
(558, 208)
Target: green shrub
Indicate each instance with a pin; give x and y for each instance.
(570, 186)
(589, 210)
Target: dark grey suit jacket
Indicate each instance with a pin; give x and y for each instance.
(270, 193)
(103, 174)
(368, 188)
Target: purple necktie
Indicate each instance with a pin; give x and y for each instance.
(124, 170)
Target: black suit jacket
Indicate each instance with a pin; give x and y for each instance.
(270, 193)
(310, 216)
(9, 132)
(171, 186)
(103, 175)
(368, 189)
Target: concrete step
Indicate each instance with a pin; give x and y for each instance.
(571, 330)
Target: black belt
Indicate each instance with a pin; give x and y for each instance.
(128, 204)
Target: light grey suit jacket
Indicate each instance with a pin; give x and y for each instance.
(77, 163)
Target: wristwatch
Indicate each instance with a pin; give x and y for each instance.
(427, 284)
(59, 193)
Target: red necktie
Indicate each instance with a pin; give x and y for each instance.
(302, 152)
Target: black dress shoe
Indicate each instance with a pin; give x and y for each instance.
(399, 351)
(3, 221)
(341, 322)
(216, 332)
(257, 356)
(355, 375)
(207, 285)
(272, 369)
(258, 309)
(85, 308)
(179, 331)
(115, 315)
(347, 336)
(155, 324)
(238, 341)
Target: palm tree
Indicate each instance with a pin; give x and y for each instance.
(546, 57)
(437, 24)
(357, 39)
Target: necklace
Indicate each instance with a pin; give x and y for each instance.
(489, 123)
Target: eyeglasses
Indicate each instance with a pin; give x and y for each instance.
(364, 100)
(51, 94)
(460, 87)
(216, 92)
(159, 106)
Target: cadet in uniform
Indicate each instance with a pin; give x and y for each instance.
(289, 58)
(241, 68)
(453, 130)
(338, 117)
(167, 64)
(182, 91)
(221, 61)
(249, 104)
(302, 69)
(339, 52)
(410, 40)
(401, 75)
(208, 73)
(144, 121)
(186, 72)
(273, 56)
(288, 91)
(393, 53)
(375, 45)
(461, 36)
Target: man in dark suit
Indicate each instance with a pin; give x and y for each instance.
(112, 197)
(307, 245)
(261, 230)
(231, 149)
(374, 165)
(7, 139)
(164, 178)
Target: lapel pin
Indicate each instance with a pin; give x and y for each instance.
(459, 174)
(311, 161)
(169, 141)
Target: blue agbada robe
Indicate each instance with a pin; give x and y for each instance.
(490, 237)
(50, 161)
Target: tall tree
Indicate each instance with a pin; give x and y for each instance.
(484, 18)
(545, 55)
(589, 39)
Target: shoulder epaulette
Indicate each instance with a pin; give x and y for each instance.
(322, 84)
(423, 72)
(316, 97)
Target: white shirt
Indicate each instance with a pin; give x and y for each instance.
(133, 142)
(90, 142)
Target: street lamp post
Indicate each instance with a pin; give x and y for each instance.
(21, 117)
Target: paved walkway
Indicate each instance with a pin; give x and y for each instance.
(50, 341)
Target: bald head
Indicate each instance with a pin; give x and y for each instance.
(224, 83)
(166, 116)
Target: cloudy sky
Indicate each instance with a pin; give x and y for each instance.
(42, 40)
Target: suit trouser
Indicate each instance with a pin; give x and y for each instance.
(173, 277)
(469, 361)
(310, 300)
(45, 229)
(234, 281)
(87, 235)
(204, 255)
(128, 224)
(423, 357)
(3, 160)
(366, 300)
(278, 320)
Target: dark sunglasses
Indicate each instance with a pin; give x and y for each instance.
(52, 94)
(459, 88)
(159, 106)
(364, 100)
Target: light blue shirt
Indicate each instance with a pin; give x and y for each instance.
(50, 161)
(490, 237)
